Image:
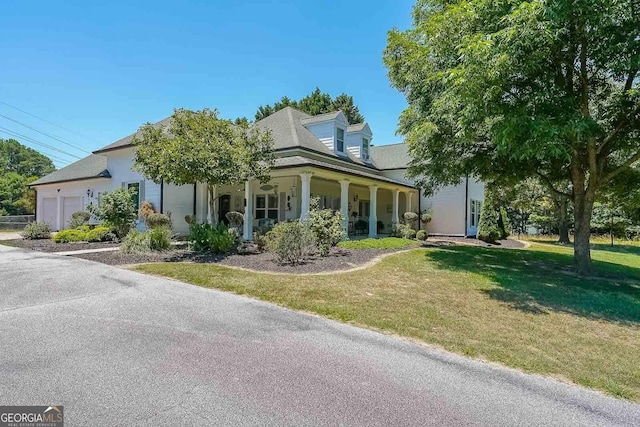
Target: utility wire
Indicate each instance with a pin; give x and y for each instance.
(45, 134)
(65, 162)
(35, 141)
(47, 121)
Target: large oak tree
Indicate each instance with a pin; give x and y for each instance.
(504, 88)
(198, 146)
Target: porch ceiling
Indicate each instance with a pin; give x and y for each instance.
(296, 165)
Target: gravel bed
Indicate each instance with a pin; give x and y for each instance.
(339, 259)
(507, 243)
(48, 245)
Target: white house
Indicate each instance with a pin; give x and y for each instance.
(316, 156)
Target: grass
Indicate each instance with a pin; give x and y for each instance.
(521, 308)
(384, 243)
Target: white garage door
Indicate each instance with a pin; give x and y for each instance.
(69, 206)
(50, 212)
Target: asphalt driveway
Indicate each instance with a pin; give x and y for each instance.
(120, 348)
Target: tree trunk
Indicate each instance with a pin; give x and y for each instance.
(583, 208)
(212, 204)
(563, 227)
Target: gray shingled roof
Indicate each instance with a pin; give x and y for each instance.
(295, 161)
(126, 141)
(320, 117)
(92, 166)
(392, 156)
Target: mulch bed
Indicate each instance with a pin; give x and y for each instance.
(507, 243)
(339, 259)
(48, 245)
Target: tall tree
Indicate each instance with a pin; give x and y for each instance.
(25, 161)
(197, 146)
(514, 87)
(317, 102)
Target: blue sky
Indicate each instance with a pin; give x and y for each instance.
(101, 69)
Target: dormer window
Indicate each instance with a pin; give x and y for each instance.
(340, 140)
(365, 149)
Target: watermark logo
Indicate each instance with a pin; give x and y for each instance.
(31, 416)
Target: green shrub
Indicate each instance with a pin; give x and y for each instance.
(211, 238)
(159, 238)
(326, 225)
(384, 243)
(158, 220)
(79, 218)
(146, 209)
(488, 230)
(116, 209)
(410, 234)
(410, 218)
(69, 236)
(36, 230)
(291, 242)
(503, 224)
(136, 242)
(422, 235)
(426, 216)
(100, 234)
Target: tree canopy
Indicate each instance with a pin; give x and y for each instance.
(20, 165)
(198, 146)
(512, 89)
(315, 103)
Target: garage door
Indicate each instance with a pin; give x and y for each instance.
(50, 212)
(69, 206)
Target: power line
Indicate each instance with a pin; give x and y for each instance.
(54, 157)
(46, 121)
(35, 141)
(45, 134)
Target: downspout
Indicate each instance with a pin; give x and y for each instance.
(466, 206)
(194, 199)
(419, 211)
(35, 209)
(162, 196)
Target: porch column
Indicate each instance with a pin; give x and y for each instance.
(409, 196)
(306, 194)
(396, 199)
(247, 226)
(344, 205)
(373, 208)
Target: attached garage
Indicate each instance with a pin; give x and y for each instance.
(50, 211)
(69, 206)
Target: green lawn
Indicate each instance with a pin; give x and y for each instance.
(383, 243)
(521, 308)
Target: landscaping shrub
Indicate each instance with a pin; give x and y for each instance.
(410, 234)
(488, 230)
(136, 242)
(422, 235)
(190, 219)
(100, 234)
(36, 230)
(79, 218)
(71, 235)
(211, 238)
(117, 209)
(159, 238)
(503, 224)
(158, 220)
(291, 242)
(146, 209)
(326, 225)
(404, 231)
(410, 218)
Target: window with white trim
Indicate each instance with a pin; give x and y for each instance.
(340, 140)
(476, 207)
(365, 149)
(267, 206)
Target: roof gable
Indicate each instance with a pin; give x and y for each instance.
(92, 166)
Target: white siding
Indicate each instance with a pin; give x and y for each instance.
(325, 132)
(448, 208)
(120, 165)
(178, 203)
(353, 142)
(476, 192)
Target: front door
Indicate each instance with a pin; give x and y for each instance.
(224, 206)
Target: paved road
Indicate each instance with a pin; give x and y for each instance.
(120, 348)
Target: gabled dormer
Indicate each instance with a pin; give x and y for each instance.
(330, 129)
(358, 141)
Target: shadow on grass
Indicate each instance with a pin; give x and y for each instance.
(538, 282)
(617, 247)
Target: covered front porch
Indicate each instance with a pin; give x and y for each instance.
(369, 206)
